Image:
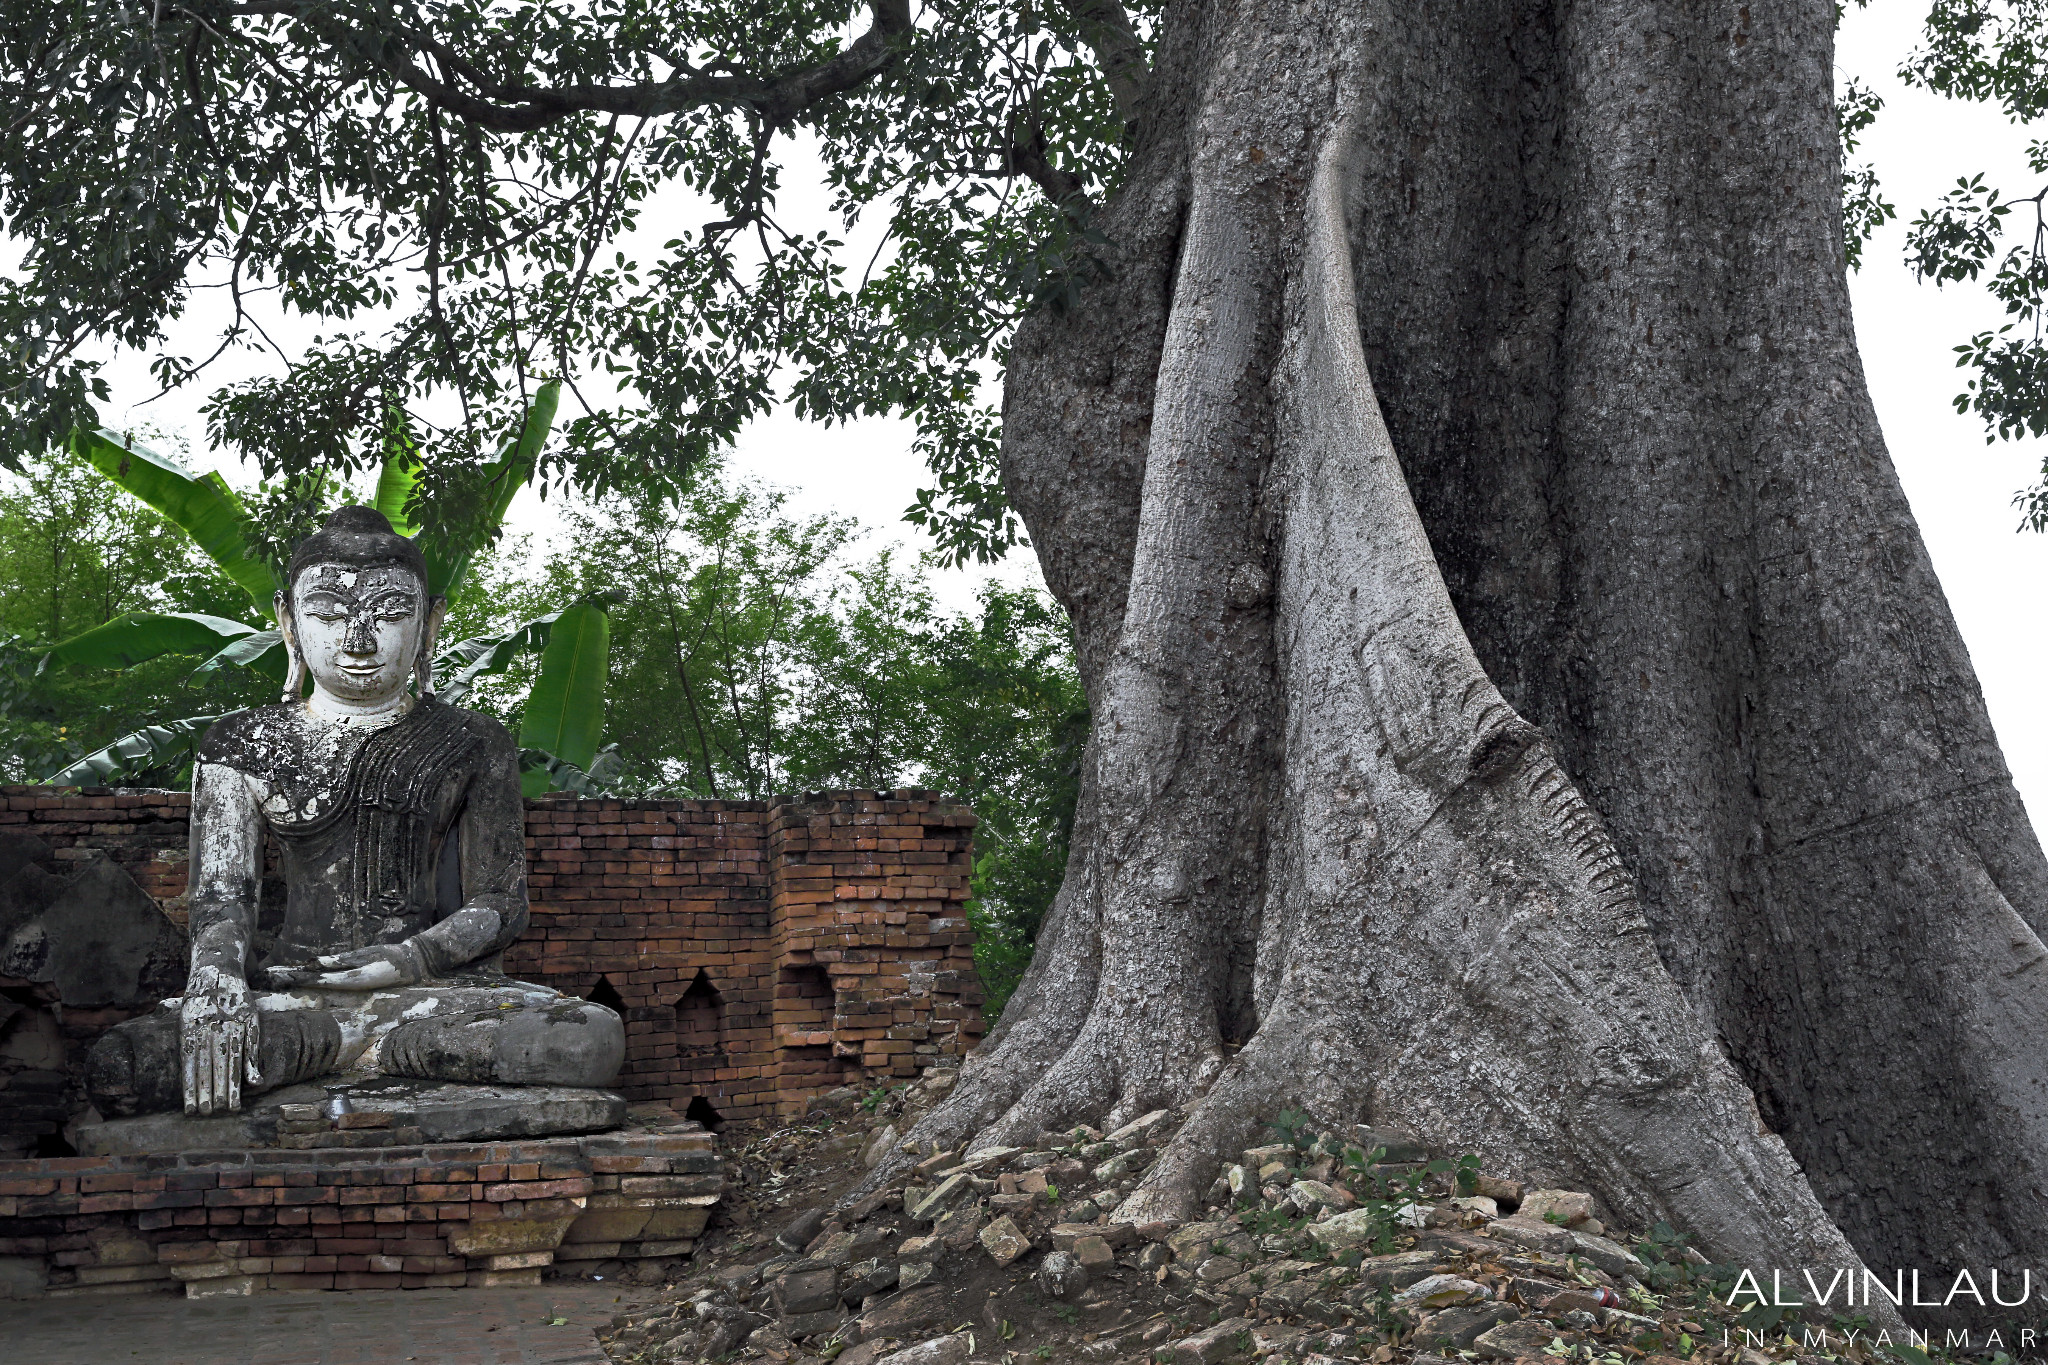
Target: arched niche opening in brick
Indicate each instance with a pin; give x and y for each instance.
(700, 1023)
(606, 994)
(705, 1112)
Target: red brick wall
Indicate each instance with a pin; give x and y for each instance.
(759, 952)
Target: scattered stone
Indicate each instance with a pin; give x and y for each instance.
(946, 1350)
(1137, 1158)
(1227, 1338)
(1532, 1234)
(1397, 1271)
(932, 1204)
(919, 1249)
(1003, 1241)
(1442, 1291)
(867, 1277)
(722, 1328)
(1358, 1228)
(1506, 1193)
(958, 1229)
(801, 1230)
(878, 1147)
(901, 1315)
(1611, 1257)
(1478, 1204)
(1457, 1328)
(1094, 1252)
(795, 1293)
(1557, 1206)
(1513, 1340)
(1062, 1275)
(1139, 1129)
(1400, 1146)
(1313, 1196)
(772, 1342)
(915, 1273)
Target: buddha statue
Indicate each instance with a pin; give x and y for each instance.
(403, 848)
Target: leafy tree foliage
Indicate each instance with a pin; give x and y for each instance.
(75, 552)
(750, 658)
(450, 190)
(1994, 52)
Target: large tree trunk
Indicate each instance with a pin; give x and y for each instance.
(1524, 709)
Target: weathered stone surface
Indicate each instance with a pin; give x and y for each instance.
(946, 1350)
(1225, 1339)
(1357, 1228)
(502, 1236)
(867, 1277)
(1140, 1128)
(97, 937)
(805, 1291)
(442, 1111)
(933, 1203)
(899, 1317)
(1513, 1340)
(1062, 1275)
(1094, 1253)
(1397, 1271)
(1003, 1241)
(1441, 1291)
(801, 1230)
(1532, 1234)
(1611, 1257)
(1566, 1206)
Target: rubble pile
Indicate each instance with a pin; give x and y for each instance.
(1315, 1247)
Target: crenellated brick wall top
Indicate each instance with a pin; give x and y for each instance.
(759, 951)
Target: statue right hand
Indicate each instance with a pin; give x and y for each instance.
(219, 1042)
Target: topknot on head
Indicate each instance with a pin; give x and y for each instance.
(361, 537)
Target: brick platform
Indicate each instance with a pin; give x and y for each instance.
(473, 1214)
(760, 952)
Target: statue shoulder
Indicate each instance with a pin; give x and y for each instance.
(487, 730)
(249, 741)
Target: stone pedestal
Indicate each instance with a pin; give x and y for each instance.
(373, 1111)
(426, 1215)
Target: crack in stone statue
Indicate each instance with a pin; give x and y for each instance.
(403, 839)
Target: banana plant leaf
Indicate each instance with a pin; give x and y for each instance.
(263, 651)
(448, 556)
(152, 748)
(202, 504)
(397, 479)
(564, 712)
(457, 668)
(140, 636)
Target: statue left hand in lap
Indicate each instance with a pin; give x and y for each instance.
(403, 842)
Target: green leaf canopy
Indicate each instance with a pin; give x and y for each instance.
(564, 712)
(202, 504)
(140, 636)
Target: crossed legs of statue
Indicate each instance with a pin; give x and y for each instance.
(507, 1034)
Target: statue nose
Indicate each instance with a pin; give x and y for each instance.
(359, 638)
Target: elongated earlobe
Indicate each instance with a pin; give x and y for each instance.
(423, 666)
(295, 666)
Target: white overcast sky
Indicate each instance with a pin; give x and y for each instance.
(1960, 488)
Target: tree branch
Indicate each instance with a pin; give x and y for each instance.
(1027, 158)
(468, 94)
(1108, 31)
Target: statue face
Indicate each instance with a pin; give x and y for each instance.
(359, 629)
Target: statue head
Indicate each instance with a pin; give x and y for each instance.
(356, 612)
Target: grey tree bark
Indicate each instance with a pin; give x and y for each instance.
(1524, 708)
